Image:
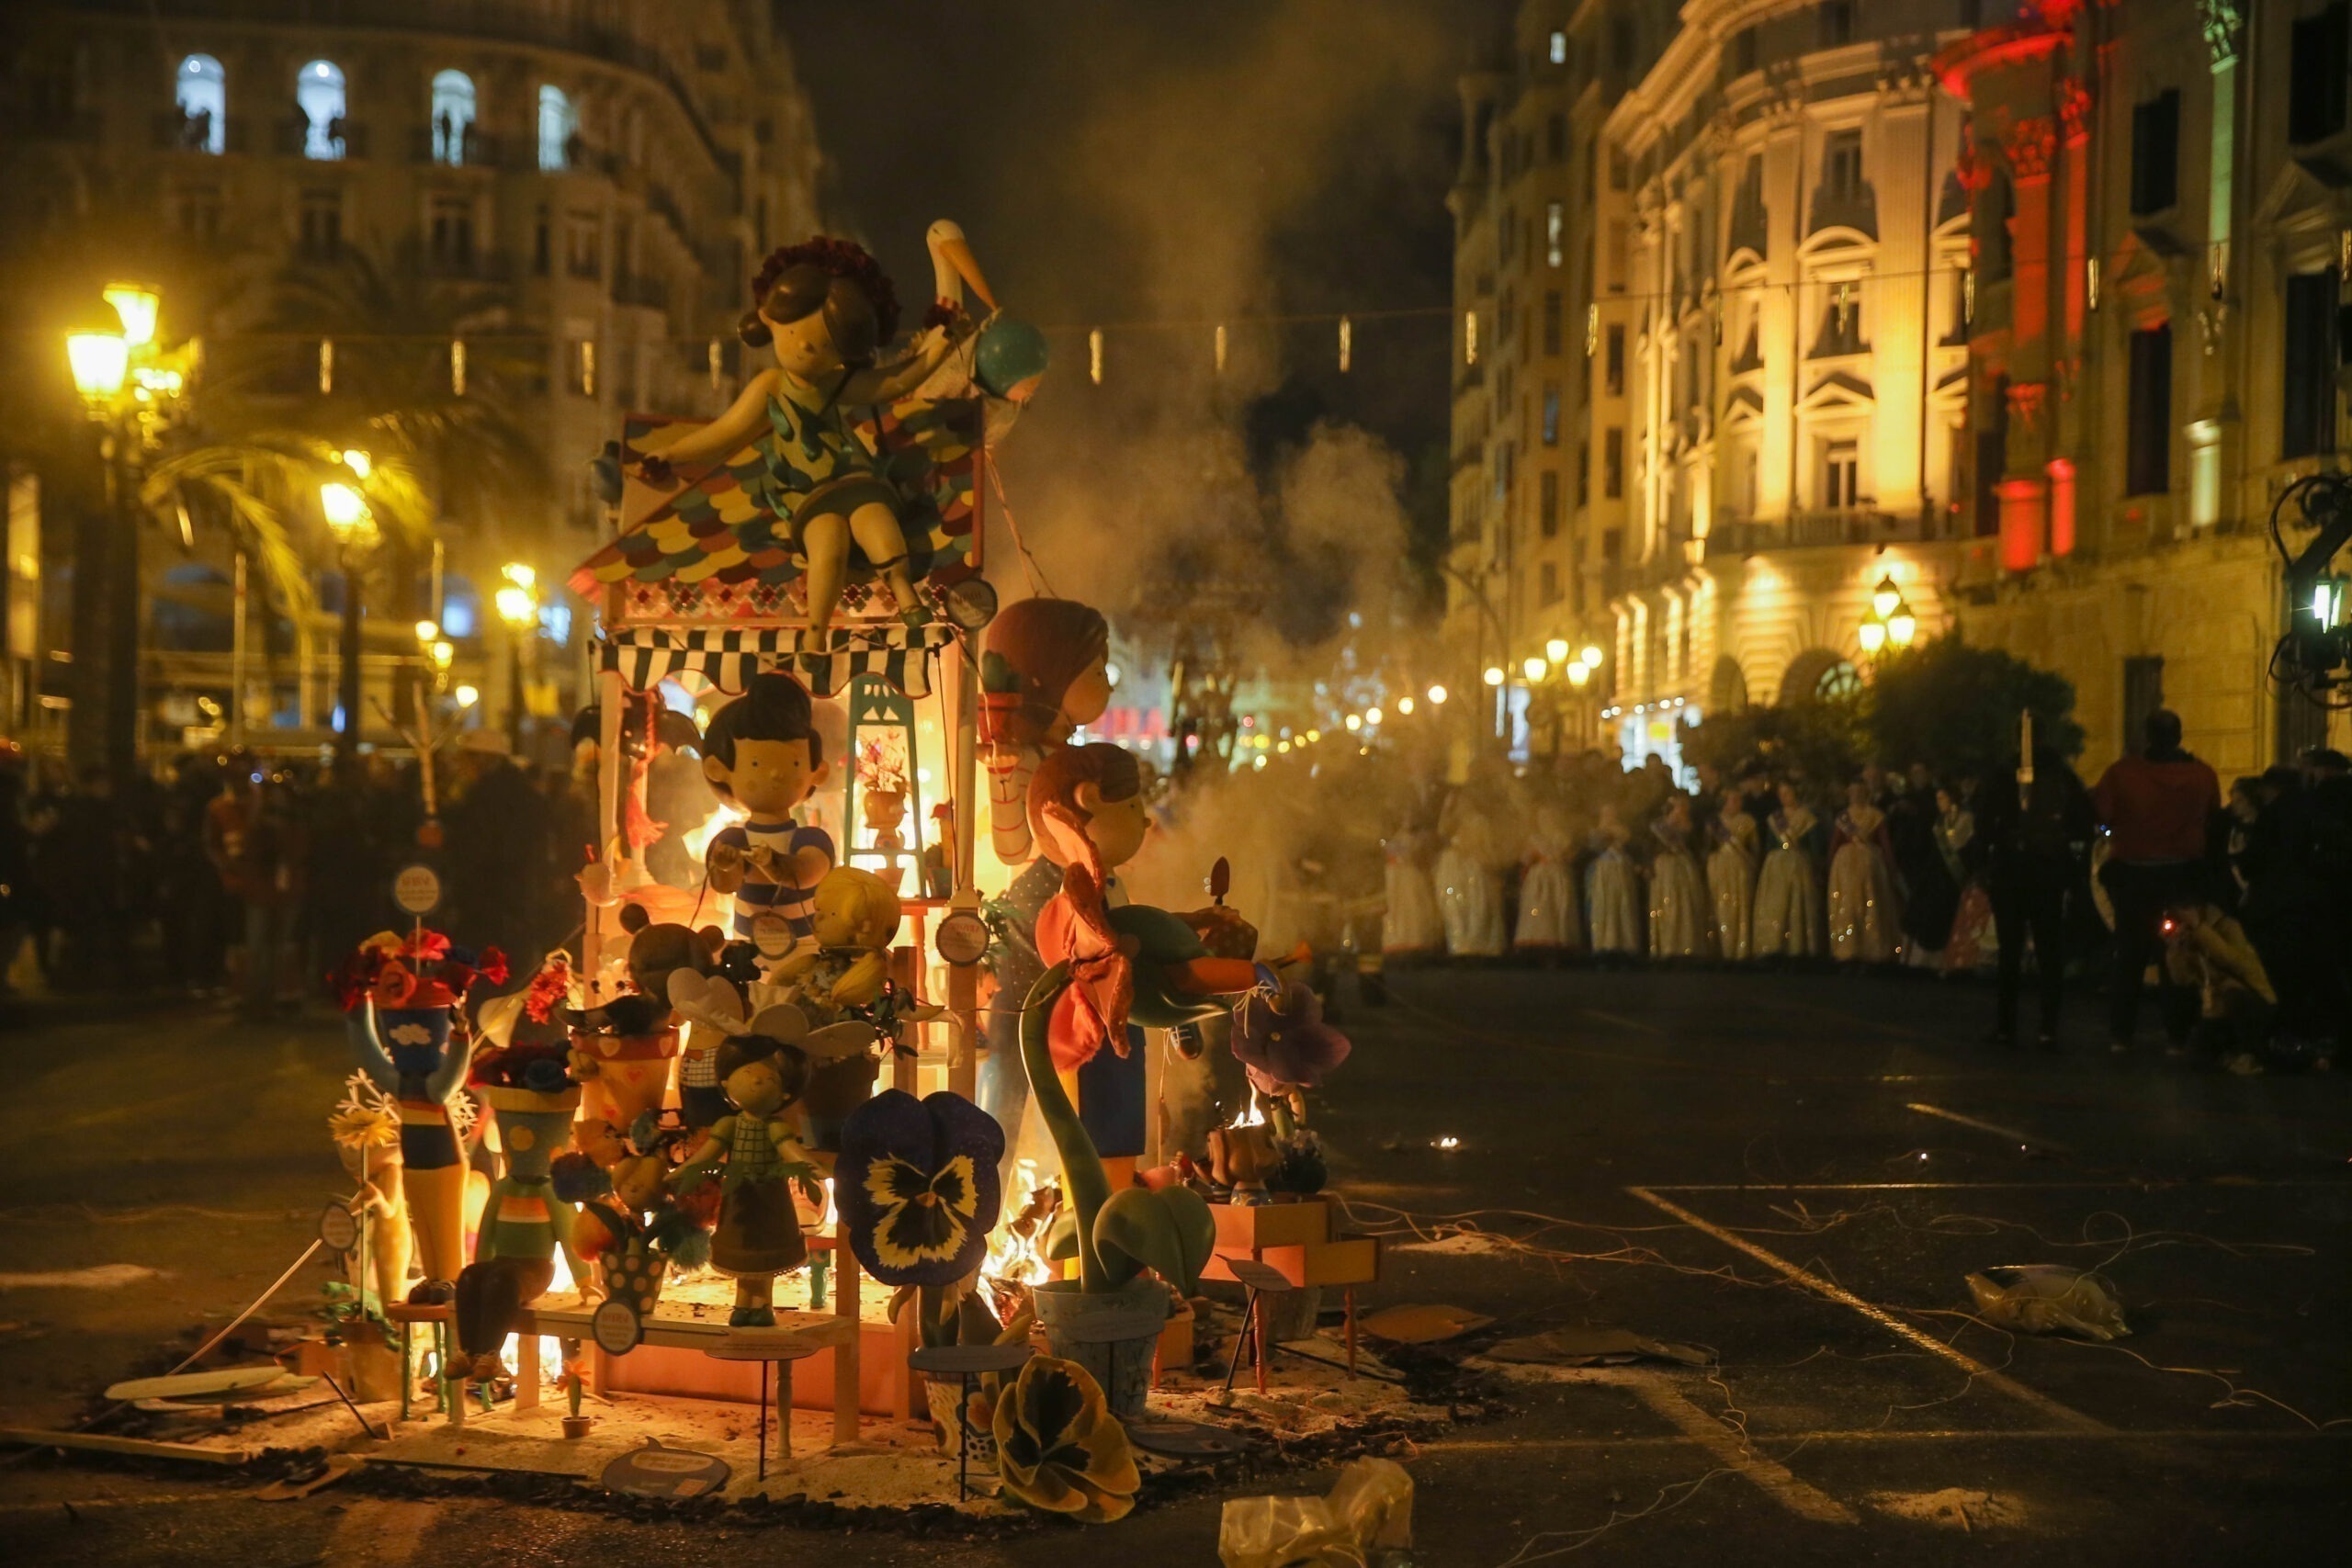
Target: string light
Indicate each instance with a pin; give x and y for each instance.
(1094, 356)
(1220, 348)
(1437, 696)
(1347, 342)
(1405, 706)
(326, 366)
(588, 368)
(457, 367)
(715, 363)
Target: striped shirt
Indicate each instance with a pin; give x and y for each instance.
(759, 895)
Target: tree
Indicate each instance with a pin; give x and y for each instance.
(1955, 708)
(1818, 739)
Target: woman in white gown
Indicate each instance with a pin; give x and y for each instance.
(1410, 926)
(1731, 880)
(1865, 911)
(1788, 891)
(1681, 925)
(1616, 916)
(1469, 887)
(1548, 919)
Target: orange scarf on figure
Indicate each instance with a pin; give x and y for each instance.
(1074, 928)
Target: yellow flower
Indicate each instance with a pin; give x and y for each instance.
(1059, 1449)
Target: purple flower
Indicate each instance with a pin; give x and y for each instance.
(917, 1187)
(1285, 1040)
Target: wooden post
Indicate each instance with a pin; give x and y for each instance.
(845, 1355)
(964, 980)
(527, 1371)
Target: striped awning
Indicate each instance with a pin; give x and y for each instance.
(728, 657)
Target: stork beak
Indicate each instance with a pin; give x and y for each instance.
(958, 256)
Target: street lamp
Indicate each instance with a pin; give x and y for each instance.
(1437, 696)
(1589, 655)
(1556, 650)
(100, 351)
(345, 506)
(1533, 667)
(518, 606)
(136, 307)
(1872, 634)
(1405, 706)
(1578, 673)
(1371, 715)
(1494, 676)
(1902, 625)
(1885, 597)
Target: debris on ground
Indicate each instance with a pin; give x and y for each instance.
(2046, 1298)
(1954, 1508)
(1596, 1346)
(1366, 1517)
(1422, 1325)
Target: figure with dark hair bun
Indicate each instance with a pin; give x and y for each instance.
(825, 307)
(758, 1149)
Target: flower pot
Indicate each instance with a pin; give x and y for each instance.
(941, 1395)
(526, 1100)
(578, 1425)
(1291, 1314)
(1076, 1326)
(415, 1038)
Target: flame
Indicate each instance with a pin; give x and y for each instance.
(1255, 1116)
(697, 840)
(1013, 1257)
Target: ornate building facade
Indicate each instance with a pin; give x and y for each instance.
(2028, 310)
(584, 184)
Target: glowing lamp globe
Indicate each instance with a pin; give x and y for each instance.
(516, 605)
(1556, 650)
(1494, 676)
(1590, 655)
(1902, 625)
(1533, 667)
(1578, 673)
(1873, 636)
(1437, 696)
(138, 305)
(99, 360)
(1885, 597)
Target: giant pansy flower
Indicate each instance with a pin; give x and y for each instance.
(1284, 1040)
(1059, 1449)
(917, 1186)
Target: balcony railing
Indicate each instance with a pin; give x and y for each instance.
(1814, 530)
(476, 148)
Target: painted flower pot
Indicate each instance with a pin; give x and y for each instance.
(533, 1127)
(942, 1395)
(631, 1073)
(1112, 1334)
(416, 1039)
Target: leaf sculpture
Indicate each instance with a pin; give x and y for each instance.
(1119, 1235)
(1059, 1449)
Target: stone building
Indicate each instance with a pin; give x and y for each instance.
(2026, 310)
(586, 184)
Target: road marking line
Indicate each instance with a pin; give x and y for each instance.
(1736, 1452)
(2150, 1184)
(2011, 1134)
(1622, 1021)
(1843, 1297)
(1877, 1436)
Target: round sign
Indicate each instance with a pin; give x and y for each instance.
(962, 939)
(417, 890)
(338, 1231)
(970, 603)
(617, 1326)
(773, 935)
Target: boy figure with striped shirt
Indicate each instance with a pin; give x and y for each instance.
(763, 754)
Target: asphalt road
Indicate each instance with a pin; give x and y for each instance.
(1795, 1173)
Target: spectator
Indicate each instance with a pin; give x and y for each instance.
(2206, 949)
(497, 846)
(2295, 860)
(2160, 806)
(2032, 832)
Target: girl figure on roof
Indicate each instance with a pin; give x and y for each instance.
(825, 307)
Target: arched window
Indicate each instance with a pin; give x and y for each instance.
(1841, 682)
(557, 124)
(204, 104)
(453, 115)
(317, 91)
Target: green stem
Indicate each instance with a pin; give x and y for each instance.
(1082, 1174)
(1277, 1112)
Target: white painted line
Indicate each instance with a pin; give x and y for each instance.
(2148, 1184)
(1875, 1436)
(1622, 1021)
(2008, 1134)
(1892, 1324)
(1735, 1452)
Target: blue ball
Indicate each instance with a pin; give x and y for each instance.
(1009, 352)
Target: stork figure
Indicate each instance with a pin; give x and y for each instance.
(1003, 362)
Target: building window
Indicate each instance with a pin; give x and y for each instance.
(1555, 138)
(2147, 459)
(2155, 153)
(1555, 231)
(1613, 366)
(540, 244)
(1612, 464)
(1547, 579)
(1841, 472)
(1841, 166)
(1548, 503)
(1841, 326)
(2307, 404)
(1743, 51)
(1837, 22)
(1551, 321)
(451, 231)
(558, 126)
(583, 246)
(1584, 470)
(1469, 337)
(204, 104)
(1612, 545)
(1841, 682)
(1551, 413)
(1617, 242)
(2317, 87)
(320, 234)
(453, 115)
(1558, 51)
(1621, 43)
(583, 366)
(318, 92)
(199, 213)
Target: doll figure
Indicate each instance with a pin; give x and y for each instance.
(764, 755)
(1131, 963)
(756, 1155)
(1681, 919)
(524, 1221)
(1865, 913)
(1788, 892)
(1609, 888)
(407, 1053)
(1548, 921)
(636, 1234)
(1044, 669)
(845, 962)
(1731, 882)
(826, 308)
(367, 1128)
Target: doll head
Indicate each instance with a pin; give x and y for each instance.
(855, 908)
(658, 949)
(1046, 670)
(763, 751)
(762, 1076)
(1086, 806)
(824, 306)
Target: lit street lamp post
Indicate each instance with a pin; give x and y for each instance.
(353, 526)
(518, 606)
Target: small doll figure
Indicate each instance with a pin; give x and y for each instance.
(366, 1128)
(762, 754)
(525, 1220)
(825, 307)
(846, 960)
(1044, 669)
(640, 1232)
(758, 1234)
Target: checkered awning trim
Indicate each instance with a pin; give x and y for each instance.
(728, 657)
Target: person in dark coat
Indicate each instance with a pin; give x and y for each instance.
(497, 854)
(2035, 832)
(1930, 893)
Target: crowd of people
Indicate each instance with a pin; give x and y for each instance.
(241, 878)
(2245, 913)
